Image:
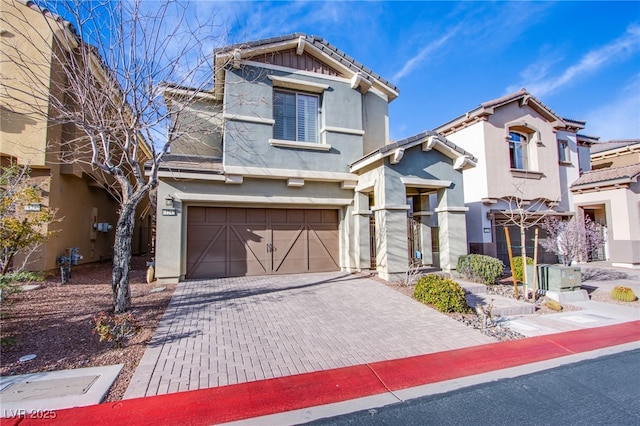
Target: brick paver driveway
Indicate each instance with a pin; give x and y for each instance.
(233, 330)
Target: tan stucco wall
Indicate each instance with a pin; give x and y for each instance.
(542, 158)
(617, 160)
(23, 133)
(622, 212)
(27, 135)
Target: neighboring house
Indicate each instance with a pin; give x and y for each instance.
(29, 137)
(528, 156)
(610, 196)
(291, 171)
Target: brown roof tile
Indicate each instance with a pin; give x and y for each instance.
(608, 175)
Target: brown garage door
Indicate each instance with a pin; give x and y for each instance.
(227, 242)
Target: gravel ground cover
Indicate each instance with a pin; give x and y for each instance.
(55, 322)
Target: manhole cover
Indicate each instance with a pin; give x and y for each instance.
(54, 388)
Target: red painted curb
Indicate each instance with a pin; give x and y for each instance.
(431, 368)
(253, 399)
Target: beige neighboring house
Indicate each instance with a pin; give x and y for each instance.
(87, 210)
(528, 156)
(610, 195)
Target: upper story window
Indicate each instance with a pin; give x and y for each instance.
(518, 151)
(563, 151)
(296, 116)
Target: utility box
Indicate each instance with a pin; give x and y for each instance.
(565, 277)
(557, 277)
(542, 280)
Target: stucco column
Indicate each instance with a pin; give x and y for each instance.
(359, 255)
(453, 236)
(170, 228)
(391, 239)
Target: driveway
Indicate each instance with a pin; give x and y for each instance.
(232, 330)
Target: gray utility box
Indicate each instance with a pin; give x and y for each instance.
(556, 277)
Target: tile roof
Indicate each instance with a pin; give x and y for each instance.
(319, 43)
(624, 174)
(191, 163)
(422, 136)
(486, 108)
(612, 144)
(409, 142)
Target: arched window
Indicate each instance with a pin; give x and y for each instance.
(518, 150)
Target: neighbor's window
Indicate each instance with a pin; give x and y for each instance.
(518, 150)
(296, 116)
(563, 151)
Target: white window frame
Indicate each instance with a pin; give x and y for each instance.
(564, 153)
(300, 134)
(521, 145)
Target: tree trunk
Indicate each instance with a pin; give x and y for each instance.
(523, 243)
(122, 259)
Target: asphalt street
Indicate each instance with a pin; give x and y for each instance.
(602, 391)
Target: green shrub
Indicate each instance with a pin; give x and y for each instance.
(444, 294)
(517, 267)
(11, 278)
(623, 294)
(480, 268)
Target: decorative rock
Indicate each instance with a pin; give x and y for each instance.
(157, 289)
(27, 357)
(30, 287)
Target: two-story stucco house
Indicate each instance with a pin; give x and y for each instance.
(528, 156)
(610, 195)
(291, 171)
(32, 38)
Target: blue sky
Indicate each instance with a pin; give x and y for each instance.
(582, 59)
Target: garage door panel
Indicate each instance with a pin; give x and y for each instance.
(323, 249)
(236, 241)
(289, 249)
(247, 250)
(206, 251)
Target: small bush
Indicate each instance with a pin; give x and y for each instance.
(115, 328)
(12, 278)
(517, 267)
(480, 268)
(623, 294)
(444, 294)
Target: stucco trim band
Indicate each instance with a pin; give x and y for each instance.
(261, 199)
(344, 130)
(417, 182)
(309, 175)
(249, 119)
(300, 145)
(451, 209)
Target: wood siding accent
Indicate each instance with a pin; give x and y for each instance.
(290, 59)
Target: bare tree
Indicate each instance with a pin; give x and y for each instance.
(524, 214)
(112, 61)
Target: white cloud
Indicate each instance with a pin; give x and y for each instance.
(537, 81)
(620, 118)
(424, 54)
